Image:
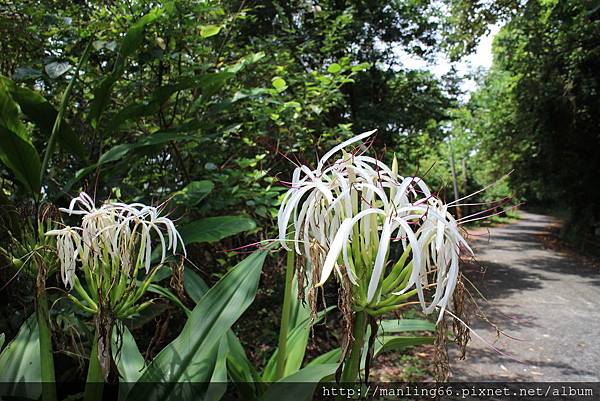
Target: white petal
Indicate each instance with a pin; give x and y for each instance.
(379, 265)
(334, 250)
(342, 146)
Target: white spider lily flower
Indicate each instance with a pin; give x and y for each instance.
(352, 207)
(114, 233)
(144, 221)
(69, 246)
(313, 181)
(85, 202)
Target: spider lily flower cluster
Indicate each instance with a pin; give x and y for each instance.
(389, 235)
(111, 245)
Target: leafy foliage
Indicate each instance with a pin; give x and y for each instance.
(206, 106)
(536, 111)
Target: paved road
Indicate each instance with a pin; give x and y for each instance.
(541, 296)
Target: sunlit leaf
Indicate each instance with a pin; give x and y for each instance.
(334, 68)
(395, 343)
(207, 31)
(395, 326)
(301, 385)
(279, 84)
(360, 67)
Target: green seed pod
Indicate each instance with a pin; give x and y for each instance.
(17, 263)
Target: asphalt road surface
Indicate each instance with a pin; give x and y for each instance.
(547, 299)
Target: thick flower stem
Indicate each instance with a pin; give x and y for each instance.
(95, 381)
(352, 364)
(46, 358)
(285, 317)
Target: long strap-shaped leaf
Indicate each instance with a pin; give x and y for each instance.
(395, 343)
(297, 340)
(241, 371)
(405, 325)
(20, 363)
(301, 385)
(130, 362)
(188, 357)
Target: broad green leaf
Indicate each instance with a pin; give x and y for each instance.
(279, 84)
(399, 325)
(394, 343)
(207, 31)
(212, 83)
(334, 68)
(194, 285)
(301, 385)
(189, 358)
(20, 365)
(2, 339)
(249, 93)
(245, 61)
(9, 110)
(119, 151)
(101, 98)
(43, 115)
(21, 157)
(208, 83)
(241, 370)
(361, 67)
(218, 380)
(132, 112)
(135, 35)
(332, 356)
(129, 360)
(164, 272)
(296, 341)
(212, 229)
(193, 193)
(296, 345)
